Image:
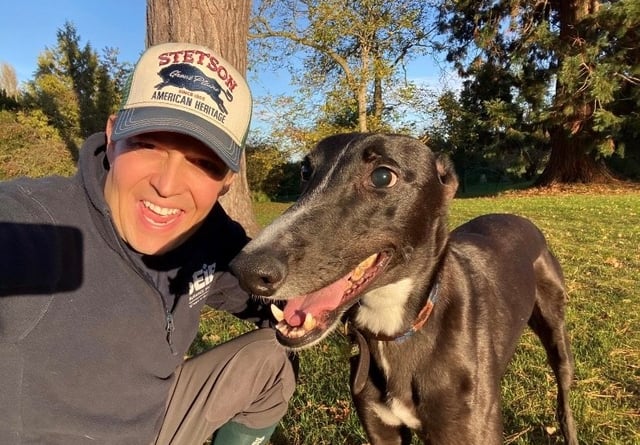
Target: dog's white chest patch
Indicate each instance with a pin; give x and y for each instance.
(396, 413)
(382, 309)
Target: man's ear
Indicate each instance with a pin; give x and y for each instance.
(109, 128)
(228, 181)
(110, 144)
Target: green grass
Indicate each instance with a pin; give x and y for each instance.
(597, 240)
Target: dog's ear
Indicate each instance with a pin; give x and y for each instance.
(447, 174)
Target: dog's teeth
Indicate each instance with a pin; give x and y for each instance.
(369, 261)
(283, 328)
(309, 322)
(359, 271)
(277, 313)
(293, 332)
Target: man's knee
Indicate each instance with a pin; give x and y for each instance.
(269, 359)
(263, 379)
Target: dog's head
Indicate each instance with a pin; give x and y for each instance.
(372, 215)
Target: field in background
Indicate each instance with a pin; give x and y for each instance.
(597, 239)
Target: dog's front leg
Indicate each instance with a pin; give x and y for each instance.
(378, 431)
(456, 433)
(366, 381)
(453, 417)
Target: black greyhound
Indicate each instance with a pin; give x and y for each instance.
(437, 314)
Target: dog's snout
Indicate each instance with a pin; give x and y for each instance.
(260, 274)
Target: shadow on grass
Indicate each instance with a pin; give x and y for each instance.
(489, 189)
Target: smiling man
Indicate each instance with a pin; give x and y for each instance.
(160, 188)
(103, 276)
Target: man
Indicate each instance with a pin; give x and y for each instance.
(103, 276)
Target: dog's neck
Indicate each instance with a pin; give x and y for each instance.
(419, 321)
(400, 307)
(378, 324)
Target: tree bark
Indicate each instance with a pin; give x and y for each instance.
(223, 26)
(570, 163)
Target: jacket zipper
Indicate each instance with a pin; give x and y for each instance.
(169, 328)
(168, 315)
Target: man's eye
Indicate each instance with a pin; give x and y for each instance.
(215, 169)
(134, 144)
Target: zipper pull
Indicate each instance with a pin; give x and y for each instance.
(170, 327)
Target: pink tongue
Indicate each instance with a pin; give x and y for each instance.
(325, 299)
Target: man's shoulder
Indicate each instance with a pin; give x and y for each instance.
(220, 236)
(232, 229)
(37, 199)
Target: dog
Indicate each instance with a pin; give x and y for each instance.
(437, 314)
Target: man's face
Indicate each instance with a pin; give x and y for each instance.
(160, 187)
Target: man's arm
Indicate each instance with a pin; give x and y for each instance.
(230, 297)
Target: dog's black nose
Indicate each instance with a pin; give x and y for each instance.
(260, 274)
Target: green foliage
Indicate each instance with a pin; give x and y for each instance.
(486, 130)
(266, 166)
(8, 102)
(352, 55)
(565, 68)
(74, 87)
(31, 147)
(71, 96)
(53, 94)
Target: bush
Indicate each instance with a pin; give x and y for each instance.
(30, 147)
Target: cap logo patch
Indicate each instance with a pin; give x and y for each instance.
(189, 77)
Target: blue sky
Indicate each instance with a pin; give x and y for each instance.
(27, 27)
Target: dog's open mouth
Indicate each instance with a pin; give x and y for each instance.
(306, 318)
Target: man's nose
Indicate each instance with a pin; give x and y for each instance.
(169, 179)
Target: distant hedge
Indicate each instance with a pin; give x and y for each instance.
(30, 147)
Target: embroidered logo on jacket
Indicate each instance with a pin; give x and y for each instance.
(201, 281)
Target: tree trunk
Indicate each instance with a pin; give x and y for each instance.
(361, 79)
(572, 146)
(570, 163)
(378, 103)
(223, 26)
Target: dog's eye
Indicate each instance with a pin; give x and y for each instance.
(305, 170)
(383, 177)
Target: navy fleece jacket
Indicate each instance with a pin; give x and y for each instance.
(91, 332)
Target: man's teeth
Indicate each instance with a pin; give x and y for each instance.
(290, 331)
(162, 211)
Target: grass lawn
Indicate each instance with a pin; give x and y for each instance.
(596, 237)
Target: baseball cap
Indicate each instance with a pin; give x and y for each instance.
(189, 89)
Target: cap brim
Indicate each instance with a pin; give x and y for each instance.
(134, 121)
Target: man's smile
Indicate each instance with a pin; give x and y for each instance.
(157, 215)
